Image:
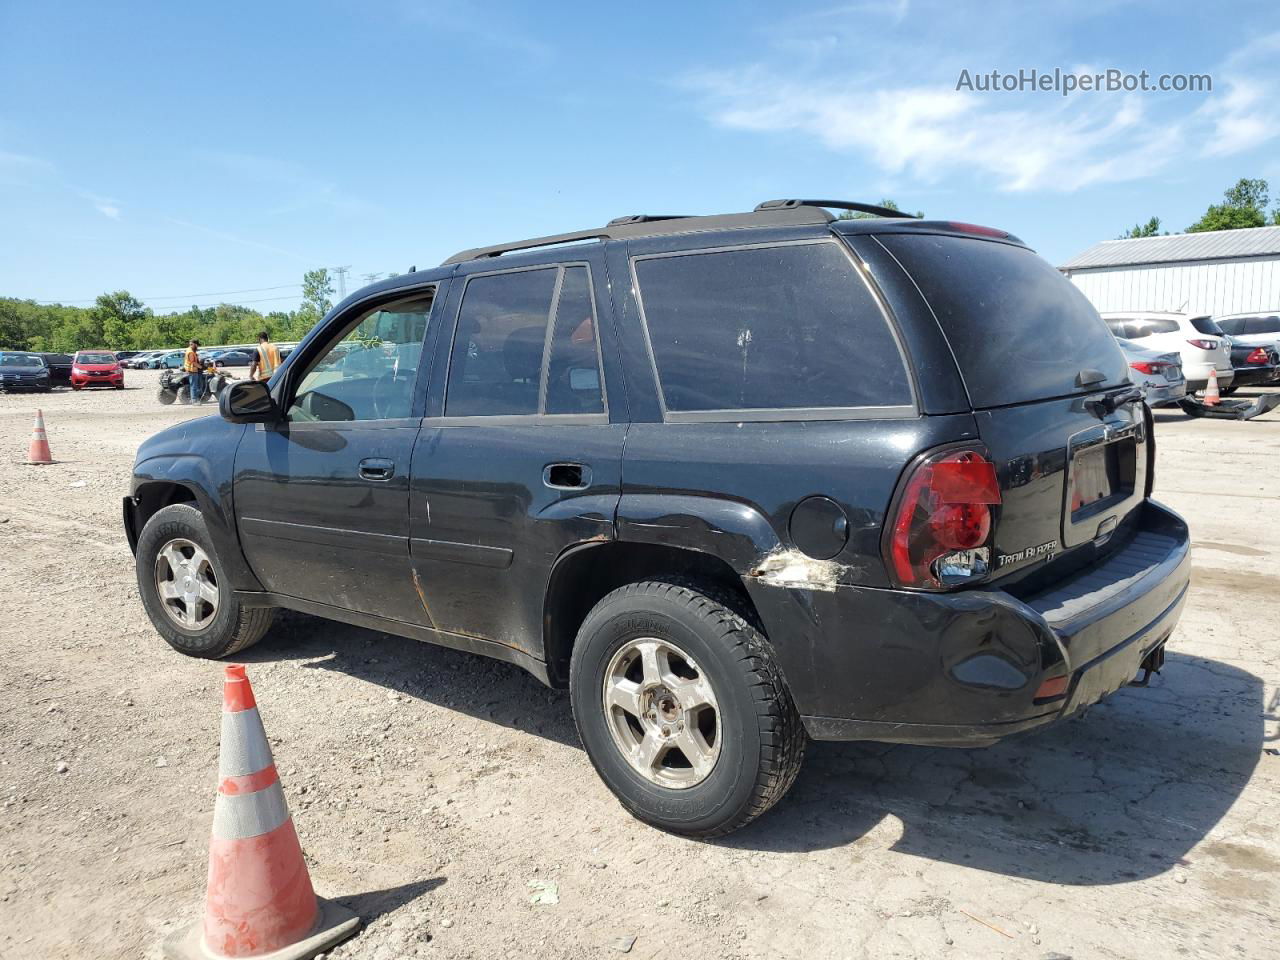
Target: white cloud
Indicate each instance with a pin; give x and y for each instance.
(1247, 113)
(20, 169)
(929, 132)
(107, 208)
(1033, 141)
(294, 186)
(232, 238)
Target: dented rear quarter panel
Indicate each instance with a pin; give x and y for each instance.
(729, 489)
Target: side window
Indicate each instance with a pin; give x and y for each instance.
(496, 365)
(573, 370)
(1232, 326)
(370, 373)
(784, 327)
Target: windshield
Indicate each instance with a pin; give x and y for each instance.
(21, 360)
(95, 358)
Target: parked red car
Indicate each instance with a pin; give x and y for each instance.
(96, 368)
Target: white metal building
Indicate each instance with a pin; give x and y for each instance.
(1223, 271)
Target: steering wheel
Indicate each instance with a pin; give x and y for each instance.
(389, 391)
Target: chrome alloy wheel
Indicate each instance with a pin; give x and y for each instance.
(187, 585)
(662, 713)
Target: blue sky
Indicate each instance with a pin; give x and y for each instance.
(174, 149)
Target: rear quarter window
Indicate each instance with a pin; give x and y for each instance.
(780, 328)
(1020, 331)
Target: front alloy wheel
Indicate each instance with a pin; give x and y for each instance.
(185, 592)
(187, 584)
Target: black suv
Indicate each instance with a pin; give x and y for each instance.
(733, 480)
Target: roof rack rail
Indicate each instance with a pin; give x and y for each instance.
(646, 218)
(771, 213)
(834, 205)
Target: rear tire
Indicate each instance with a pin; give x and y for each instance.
(1228, 391)
(701, 649)
(165, 396)
(202, 619)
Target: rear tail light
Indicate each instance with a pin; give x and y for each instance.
(1142, 366)
(1204, 344)
(1257, 356)
(939, 532)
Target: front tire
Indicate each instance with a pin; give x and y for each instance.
(185, 592)
(165, 396)
(682, 708)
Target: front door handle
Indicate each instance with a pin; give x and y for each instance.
(566, 476)
(375, 468)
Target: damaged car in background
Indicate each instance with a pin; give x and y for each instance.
(735, 481)
(1158, 374)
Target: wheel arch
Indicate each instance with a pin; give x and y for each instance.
(161, 482)
(583, 575)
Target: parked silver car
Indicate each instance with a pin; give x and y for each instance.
(1199, 341)
(1158, 374)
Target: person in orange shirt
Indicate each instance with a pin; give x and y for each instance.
(267, 359)
(194, 370)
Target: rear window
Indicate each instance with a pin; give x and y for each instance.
(788, 327)
(1020, 331)
(1137, 329)
(1207, 325)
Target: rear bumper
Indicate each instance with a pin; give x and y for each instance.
(1159, 396)
(1198, 377)
(963, 669)
(1255, 375)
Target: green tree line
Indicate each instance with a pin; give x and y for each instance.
(119, 321)
(1243, 205)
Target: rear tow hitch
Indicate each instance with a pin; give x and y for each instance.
(1151, 663)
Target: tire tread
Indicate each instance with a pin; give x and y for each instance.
(782, 735)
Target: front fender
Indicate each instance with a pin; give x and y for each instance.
(169, 460)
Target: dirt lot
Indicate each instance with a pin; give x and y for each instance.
(430, 787)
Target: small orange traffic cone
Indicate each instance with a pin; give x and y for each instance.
(259, 901)
(38, 452)
(1211, 396)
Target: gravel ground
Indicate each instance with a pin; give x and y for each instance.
(430, 787)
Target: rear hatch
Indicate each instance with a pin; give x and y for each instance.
(1051, 396)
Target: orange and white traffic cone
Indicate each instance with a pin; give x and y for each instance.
(38, 452)
(259, 901)
(1211, 395)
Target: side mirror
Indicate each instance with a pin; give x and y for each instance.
(247, 401)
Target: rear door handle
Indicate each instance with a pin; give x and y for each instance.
(375, 468)
(566, 476)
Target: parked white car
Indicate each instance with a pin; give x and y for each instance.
(1259, 329)
(1197, 339)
